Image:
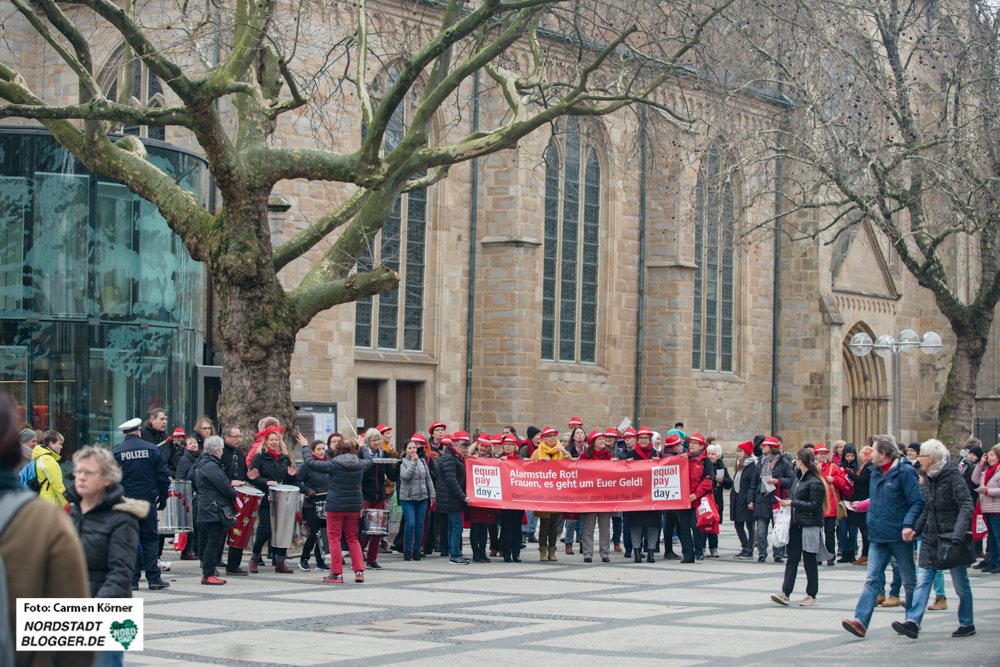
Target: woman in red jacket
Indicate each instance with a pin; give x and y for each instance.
(837, 485)
(597, 450)
(700, 473)
(510, 520)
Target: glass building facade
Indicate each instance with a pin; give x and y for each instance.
(101, 306)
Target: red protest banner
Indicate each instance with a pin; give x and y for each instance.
(578, 486)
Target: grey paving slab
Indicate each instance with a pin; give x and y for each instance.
(564, 614)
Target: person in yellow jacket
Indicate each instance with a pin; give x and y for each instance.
(549, 449)
(46, 459)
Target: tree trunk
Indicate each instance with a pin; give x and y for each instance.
(257, 328)
(957, 406)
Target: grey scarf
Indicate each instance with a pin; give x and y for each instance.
(767, 463)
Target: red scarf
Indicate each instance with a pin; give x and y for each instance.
(603, 455)
(644, 452)
(274, 454)
(885, 468)
(989, 473)
(510, 457)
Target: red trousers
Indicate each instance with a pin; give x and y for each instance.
(372, 541)
(346, 523)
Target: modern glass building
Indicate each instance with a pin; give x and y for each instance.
(101, 307)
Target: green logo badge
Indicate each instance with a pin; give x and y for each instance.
(124, 633)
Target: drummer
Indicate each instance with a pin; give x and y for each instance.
(270, 467)
(234, 463)
(373, 487)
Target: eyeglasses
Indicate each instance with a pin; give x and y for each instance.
(205, 428)
(235, 437)
(86, 474)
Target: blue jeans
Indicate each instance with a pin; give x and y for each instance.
(847, 535)
(413, 515)
(959, 579)
(455, 534)
(530, 527)
(878, 558)
(993, 524)
(572, 531)
(896, 584)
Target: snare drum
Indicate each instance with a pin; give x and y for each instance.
(376, 522)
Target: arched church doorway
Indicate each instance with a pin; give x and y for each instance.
(865, 392)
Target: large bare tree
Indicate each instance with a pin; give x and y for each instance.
(263, 60)
(894, 121)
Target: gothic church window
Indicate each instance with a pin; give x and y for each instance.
(147, 91)
(715, 275)
(380, 319)
(572, 232)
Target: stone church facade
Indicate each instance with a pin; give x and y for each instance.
(595, 271)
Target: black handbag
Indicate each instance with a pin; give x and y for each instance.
(227, 515)
(951, 554)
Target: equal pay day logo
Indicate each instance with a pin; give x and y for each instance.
(71, 624)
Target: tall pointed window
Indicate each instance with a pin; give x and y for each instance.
(147, 91)
(572, 232)
(392, 320)
(714, 277)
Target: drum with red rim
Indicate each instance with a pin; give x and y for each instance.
(247, 503)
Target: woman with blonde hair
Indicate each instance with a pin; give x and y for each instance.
(548, 522)
(373, 487)
(270, 467)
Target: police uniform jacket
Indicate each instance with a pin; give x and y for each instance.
(144, 472)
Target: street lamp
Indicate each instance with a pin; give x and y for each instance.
(886, 346)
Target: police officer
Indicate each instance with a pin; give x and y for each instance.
(144, 475)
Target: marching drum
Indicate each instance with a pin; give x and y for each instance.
(376, 522)
(284, 502)
(177, 516)
(248, 500)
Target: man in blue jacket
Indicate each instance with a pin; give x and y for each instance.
(144, 475)
(895, 503)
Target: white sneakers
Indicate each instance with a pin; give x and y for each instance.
(164, 565)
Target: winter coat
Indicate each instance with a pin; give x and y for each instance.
(186, 464)
(314, 483)
(345, 472)
(234, 462)
(49, 474)
(558, 456)
(947, 511)
(862, 482)
(451, 482)
(839, 488)
(895, 502)
(150, 434)
(271, 468)
(214, 489)
(700, 476)
(718, 488)
(807, 500)
(965, 469)
(739, 496)
(763, 501)
(373, 484)
(44, 559)
(644, 518)
(172, 454)
(110, 536)
(989, 503)
(415, 483)
(144, 471)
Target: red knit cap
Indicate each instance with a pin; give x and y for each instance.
(746, 447)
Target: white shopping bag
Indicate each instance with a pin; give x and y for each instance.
(782, 527)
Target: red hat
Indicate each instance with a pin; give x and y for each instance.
(821, 449)
(548, 430)
(497, 439)
(383, 429)
(446, 439)
(179, 433)
(644, 430)
(611, 433)
(746, 447)
(771, 442)
(593, 436)
(417, 437)
(629, 433)
(510, 437)
(460, 436)
(698, 437)
(671, 440)
(436, 425)
(575, 421)
(483, 439)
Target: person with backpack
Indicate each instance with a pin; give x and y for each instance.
(43, 475)
(40, 553)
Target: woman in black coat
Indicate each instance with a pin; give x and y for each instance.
(739, 498)
(314, 485)
(450, 493)
(861, 478)
(648, 521)
(270, 467)
(185, 471)
(809, 501)
(344, 502)
(215, 491)
(720, 481)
